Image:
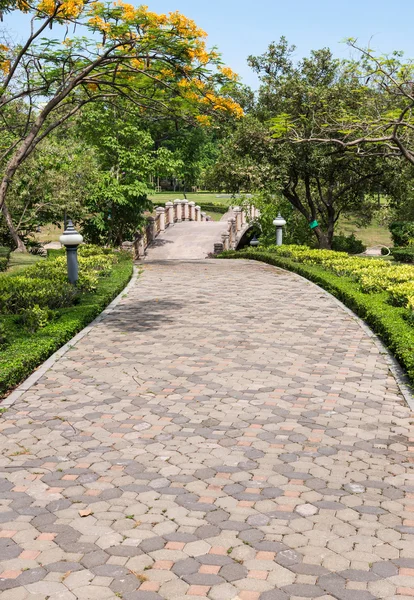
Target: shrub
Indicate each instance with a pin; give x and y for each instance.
(402, 233)
(349, 244)
(3, 336)
(19, 293)
(4, 257)
(404, 255)
(46, 318)
(35, 317)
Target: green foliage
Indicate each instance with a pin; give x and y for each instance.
(404, 255)
(37, 331)
(297, 229)
(3, 336)
(35, 317)
(391, 323)
(348, 243)
(402, 233)
(4, 257)
(294, 99)
(21, 292)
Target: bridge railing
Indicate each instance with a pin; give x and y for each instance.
(237, 225)
(173, 212)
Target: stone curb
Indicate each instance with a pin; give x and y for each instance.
(48, 364)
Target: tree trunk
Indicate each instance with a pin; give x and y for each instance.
(20, 247)
(323, 238)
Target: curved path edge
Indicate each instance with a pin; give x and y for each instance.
(53, 358)
(393, 364)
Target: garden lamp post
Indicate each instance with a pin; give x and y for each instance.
(71, 240)
(254, 242)
(279, 223)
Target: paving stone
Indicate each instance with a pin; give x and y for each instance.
(233, 572)
(210, 454)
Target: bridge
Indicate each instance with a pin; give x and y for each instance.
(181, 230)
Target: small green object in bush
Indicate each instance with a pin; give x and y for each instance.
(404, 255)
(349, 244)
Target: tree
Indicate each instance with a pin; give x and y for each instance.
(382, 121)
(127, 159)
(319, 183)
(159, 63)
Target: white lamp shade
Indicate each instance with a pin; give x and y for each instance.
(279, 221)
(71, 239)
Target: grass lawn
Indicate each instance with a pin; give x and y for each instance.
(373, 235)
(200, 197)
(19, 260)
(48, 233)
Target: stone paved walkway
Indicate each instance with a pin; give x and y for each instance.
(227, 432)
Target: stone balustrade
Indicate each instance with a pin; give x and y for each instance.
(174, 212)
(237, 225)
(182, 210)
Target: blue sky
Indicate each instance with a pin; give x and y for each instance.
(242, 27)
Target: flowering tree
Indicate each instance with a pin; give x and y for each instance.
(159, 63)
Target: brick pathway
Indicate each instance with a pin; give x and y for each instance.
(227, 432)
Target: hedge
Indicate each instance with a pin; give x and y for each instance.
(388, 322)
(25, 352)
(404, 255)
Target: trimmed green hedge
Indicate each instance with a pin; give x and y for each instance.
(24, 352)
(404, 255)
(388, 322)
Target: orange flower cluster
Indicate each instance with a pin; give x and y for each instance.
(204, 120)
(65, 9)
(199, 52)
(4, 61)
(229, 73)
(185, 27)
(190, 89)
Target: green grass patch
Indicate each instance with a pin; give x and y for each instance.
(158, 198)
(21, 260)
(21, 352)
(388, 322)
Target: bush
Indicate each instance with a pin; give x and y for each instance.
(391, 323)
(404, 255)
(349, 244)
(19, 293)
(50, 311)
(4, 257)
(402, 233)
(3, 263)
(35, 317)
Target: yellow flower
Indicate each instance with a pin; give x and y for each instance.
(229, 73)
(204, 120)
